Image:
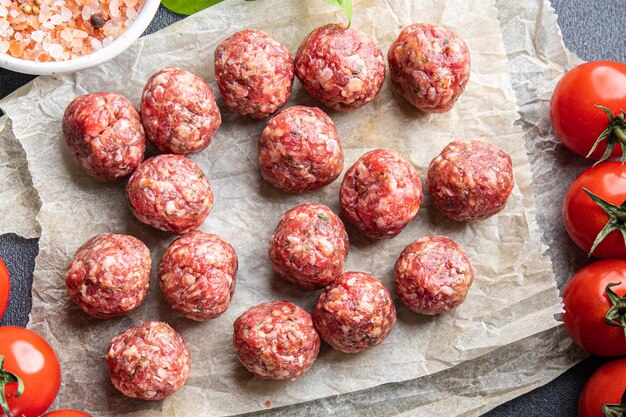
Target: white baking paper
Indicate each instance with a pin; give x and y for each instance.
(19, 202)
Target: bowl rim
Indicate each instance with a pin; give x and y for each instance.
(119, 45)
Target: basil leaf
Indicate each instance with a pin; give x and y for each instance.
(346, 6)
(188, 7)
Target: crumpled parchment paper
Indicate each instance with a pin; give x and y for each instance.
(505, 250)
(19, 202)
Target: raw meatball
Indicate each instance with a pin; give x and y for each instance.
(433, 275)
(429, 66)
(276, 340)
(179, 112)
(381, 193)
(470, 180)
(171, 193)
(310, 246)
(300, 150)
(355, 313)
(342, 68)
(150, 361)
(109, 275)
(254, 73)
(104, 134)
(197, 275)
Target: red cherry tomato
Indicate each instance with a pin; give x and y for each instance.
(576, 120)
(66, 413)
(605, 388)
(29, 357)
(584, 219)
(587, 303)
(5, 288)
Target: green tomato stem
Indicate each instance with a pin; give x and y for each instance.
(615, 410)
(6, 378)
(617, 219)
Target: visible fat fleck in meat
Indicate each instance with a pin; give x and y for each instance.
(309, 246)
(170, 193)
(355, 313)
(179, 112)
(276, 340)
(197, 275)
(300, 150)
(105, 135)
(150, 361)
(433, 275)
(429, 66)
(109, 275)
(470, 180)
(342, 68)
(254, 73)
(381, 193)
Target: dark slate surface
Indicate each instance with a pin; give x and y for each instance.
(593, 29)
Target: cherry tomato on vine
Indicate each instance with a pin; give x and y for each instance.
(5, 288)
(594, 210)
(594, 308)
(586, 110)
(603, 394)
(28, 365)
(66, 413)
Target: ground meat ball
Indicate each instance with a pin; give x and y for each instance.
(381, 193)
(470, 180)
(433, 275)
(300, 150)
(310, 246)
(197, 275)
(276, 340)
(171, 193)
(179, 112)
(254, 73)
(429, 66)
(150, 361)
(355, 313)
(342, 68)
(104, 134)
(109, 275)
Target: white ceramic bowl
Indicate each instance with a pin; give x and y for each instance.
(130, 35)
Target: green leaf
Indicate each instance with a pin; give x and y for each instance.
(346, 6)
(188, 7)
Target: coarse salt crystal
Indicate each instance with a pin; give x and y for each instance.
(66, 14)
(96, 44)
(56, 20)
(67, 35)
(14, 13)
(87, 12)
(37, 36)
(55, 51)
(4, 46)
(4, 12)
(80, 34)
(114, 8)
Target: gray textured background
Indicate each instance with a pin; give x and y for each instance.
(593, 29)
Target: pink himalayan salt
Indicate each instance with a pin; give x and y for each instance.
(62, 30)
